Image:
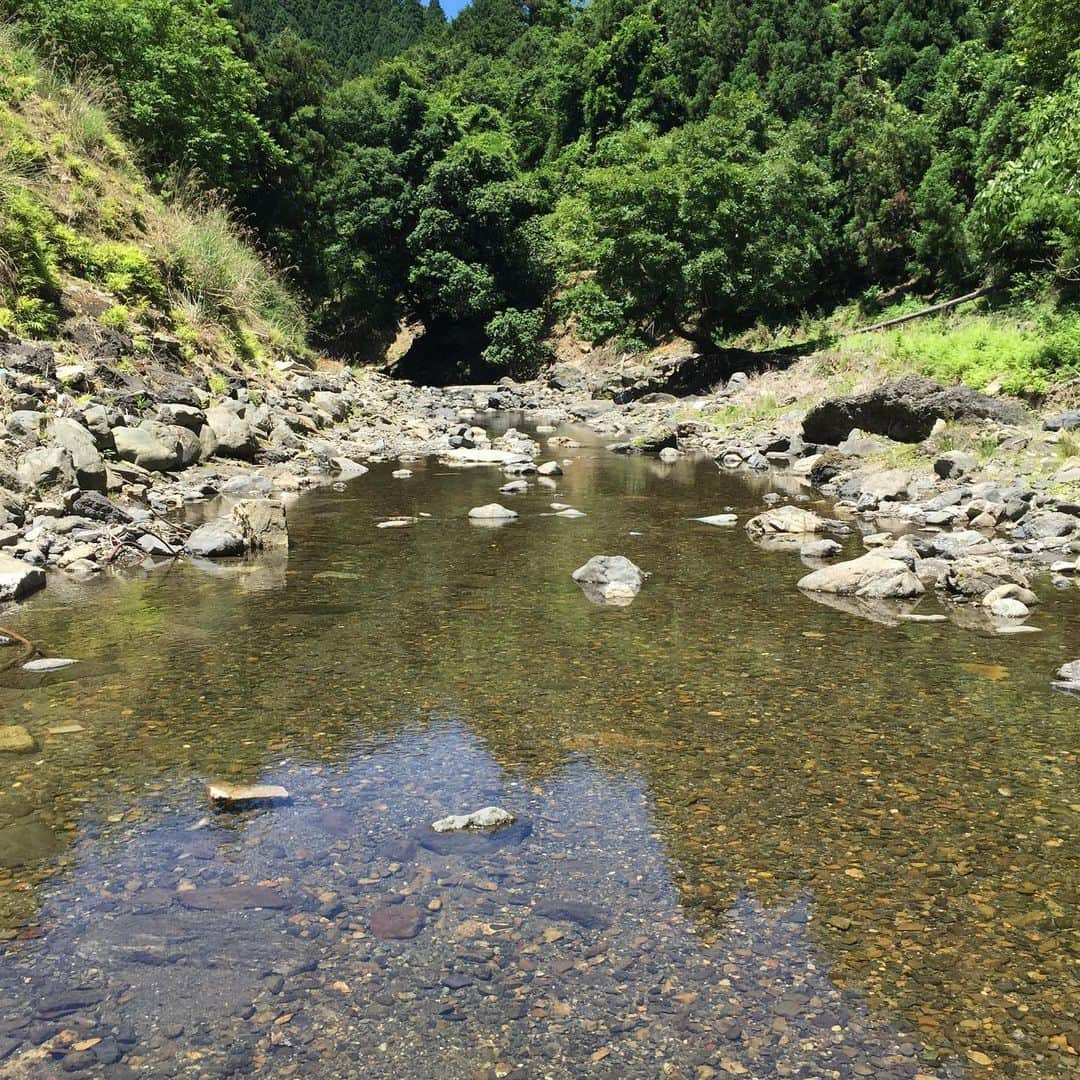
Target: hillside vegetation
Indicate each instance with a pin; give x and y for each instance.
(636, 170)
(84, 236)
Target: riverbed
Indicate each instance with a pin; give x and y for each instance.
(755, 836)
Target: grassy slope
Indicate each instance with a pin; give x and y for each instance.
(77, 218)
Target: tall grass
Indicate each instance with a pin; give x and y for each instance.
(212, 262)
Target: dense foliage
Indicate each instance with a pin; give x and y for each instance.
(351, 35)
(643, 166)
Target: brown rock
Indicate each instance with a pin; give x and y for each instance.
(397, 923)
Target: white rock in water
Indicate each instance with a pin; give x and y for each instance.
(1006, 608)
(491, 512)
(401, 474)
(515, 487)
(550, 468)
(717, 519)
(52, 663)
(490, 817)
(482, 456)
(396, 523)
(231, 793)
(609, 579)
(570, 512)
(669, 454)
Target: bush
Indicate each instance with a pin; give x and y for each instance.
(515, 343)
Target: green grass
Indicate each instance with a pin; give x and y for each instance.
(993, 350)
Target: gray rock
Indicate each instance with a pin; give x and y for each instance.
(905, 410)
(215, 540)
(234, 435)
(870, 576)
(18, 579)
(261, 523)
(549, 468)
(248, 486)
(1044, 525)
(335, 405)
(81, 445)
(491, 512)
(609, 579)
(820, 549)
(955, 464)
(976, 575)
(46, 467)
(785, 520)
(176, 414)
(1064, 421)
(96, 507)
(1067, 677)
(25, 424)
(151, 446)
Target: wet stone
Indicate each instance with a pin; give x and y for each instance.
(399, 922)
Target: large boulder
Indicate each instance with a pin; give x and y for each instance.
(905, 410)
(178, 414)
(976, 575)
(215, 540)
(80, 444)
(870, 577)
(18, 579)
(609, 579)
(261, 523)
(151, 446)
(46, 467)
(233, 435)
(785, 521)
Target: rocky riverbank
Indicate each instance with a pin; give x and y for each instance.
(966, 495)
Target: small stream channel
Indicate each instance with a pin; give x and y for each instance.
(756, 836)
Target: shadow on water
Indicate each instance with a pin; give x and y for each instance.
(756, 835)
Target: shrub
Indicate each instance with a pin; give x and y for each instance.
(515, 343)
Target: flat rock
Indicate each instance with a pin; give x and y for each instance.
(15, 739)
(398, 922)
(231, 898)
(489, 817)
(718, 519)
(482, 456)
(870, 577)
(25, 843)
(49, 663)
(221, 792)
(589, 916)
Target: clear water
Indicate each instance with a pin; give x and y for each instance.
(757, 836)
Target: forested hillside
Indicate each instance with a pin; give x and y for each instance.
(643, 169)
(351, 36)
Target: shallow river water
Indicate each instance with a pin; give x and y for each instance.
(756, 836)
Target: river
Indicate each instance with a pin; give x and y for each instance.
(755, 836)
